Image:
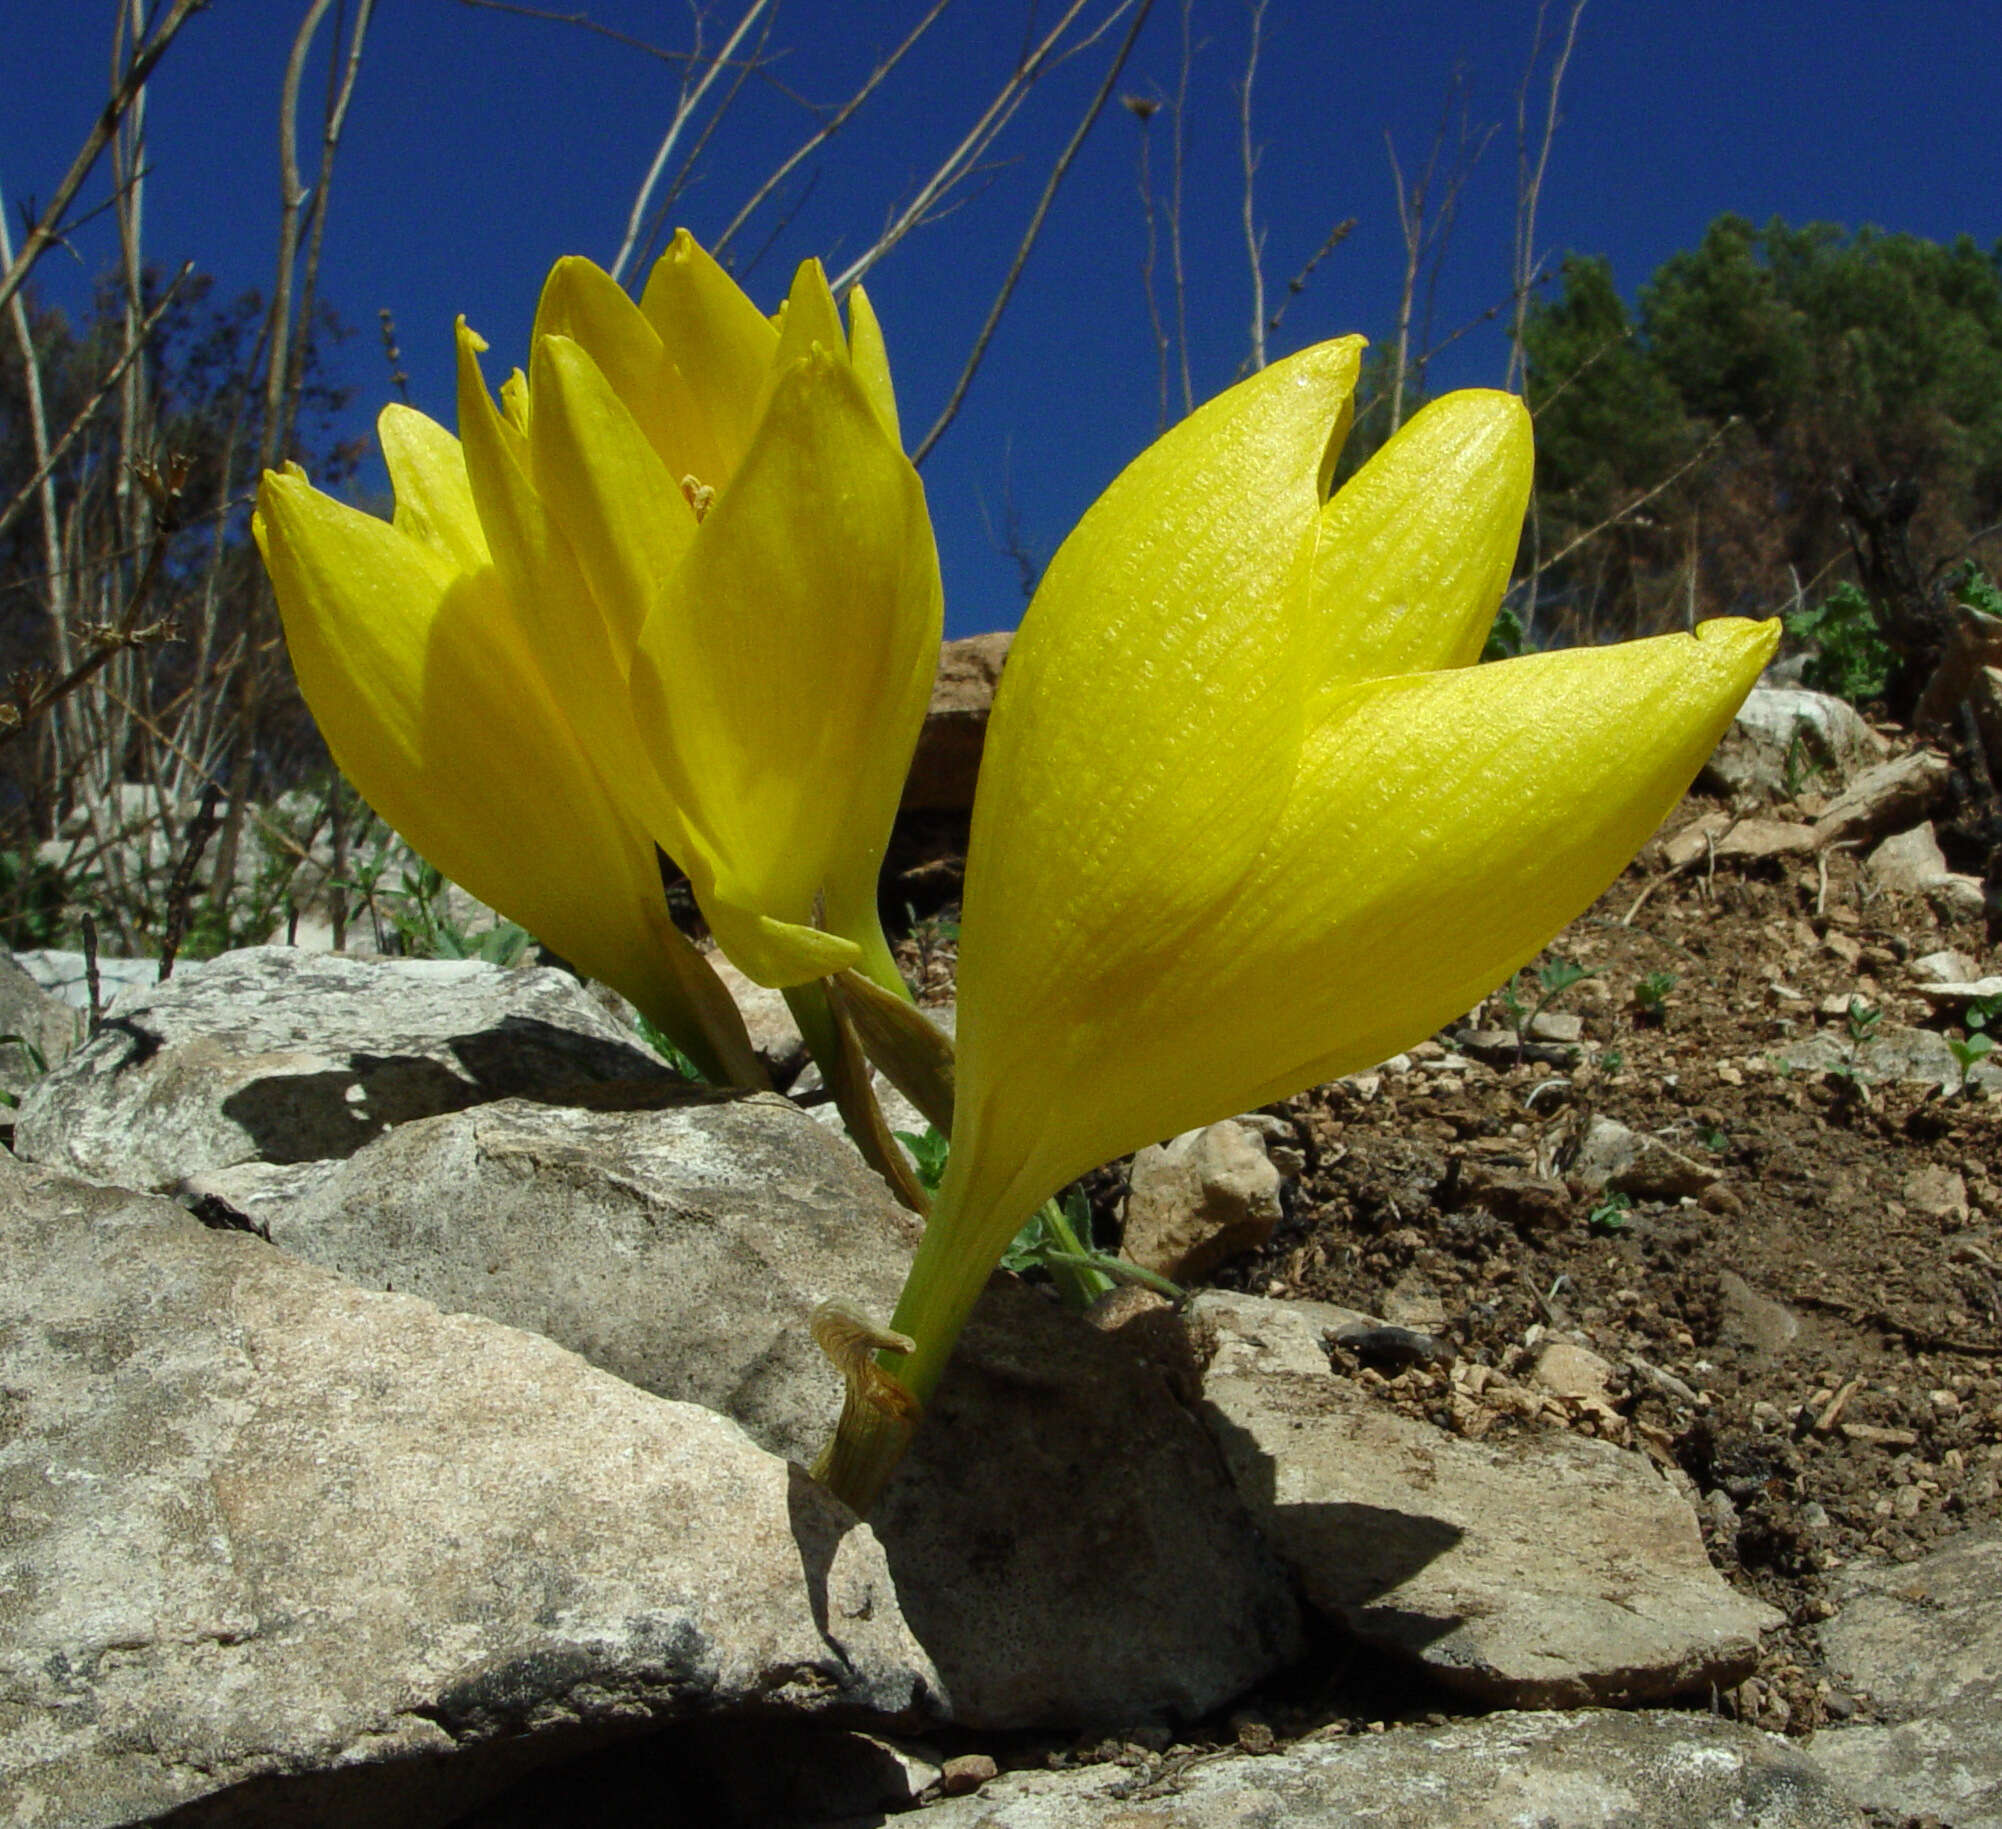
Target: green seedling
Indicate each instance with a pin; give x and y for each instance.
(1553, 978)
(36, 1059)
(1862, 1020)
(1651, 995)
(1968, 1055)
(1984, 1014)
(1714, 1138)
(1611, 1215)
(662, 1044)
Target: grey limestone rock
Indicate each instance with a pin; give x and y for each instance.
(1555, 1771)
(45, 1024)
(1064, 1541)
(1771, 729)
(681, 1248)
(279, 1549)
(1541, 1570)
(1924, 1641)
(276, 1054)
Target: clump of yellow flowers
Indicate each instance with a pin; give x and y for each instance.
(1249, 816)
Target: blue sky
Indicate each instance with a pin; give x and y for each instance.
(483, 144)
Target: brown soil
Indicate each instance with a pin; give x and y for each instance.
(1815, 1342)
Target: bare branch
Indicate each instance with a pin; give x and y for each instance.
(1029, 235)
(1254, 242)
(585, 22)
(828, 128)
(1640, 501)
(1298, 283)
(1529, 179)
(47, 227)
(1143, 110)
(976, 141)
(1175, 210)
(691, 99)
(45, 464)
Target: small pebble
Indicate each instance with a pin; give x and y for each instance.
(965, 1773)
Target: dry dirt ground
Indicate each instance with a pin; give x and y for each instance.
(1815, 1341)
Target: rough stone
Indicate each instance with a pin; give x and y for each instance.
(1910, 1056)
(1575, 1371)
(1936, 1190)
(320, 1556)
(1888, 798)
(1957, 993)
(1693, 842)
(1908, 862)
(276, 1054)
(1612, 1156)
(681, 1248)
(1772, 725)
(1924, 1640)
(1452, 1553)
(1066, 1545)
(1199, 1200)
(45, 1023)
(1753, 1323)
(1945, 968)
(1751, 840)
(947, 762)
(66, 975)
(1555, 1771)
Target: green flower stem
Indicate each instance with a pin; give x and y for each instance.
(954, 1260)
(1071, 1264)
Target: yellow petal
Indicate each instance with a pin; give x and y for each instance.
(721, 343)
(810, 320)
(434, 707)
(872, 360)
(546, 592)
(1442, 828)
(595, 472)
(1148, 722)
(1417, 547)
(781, 682)
(584, 303)
(434, 499)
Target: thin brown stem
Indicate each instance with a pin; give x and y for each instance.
(1054, 182)
(48, 226)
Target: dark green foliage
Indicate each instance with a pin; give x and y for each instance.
(1759, 369)
(1851, 657)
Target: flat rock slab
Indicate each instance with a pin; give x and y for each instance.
(1912, 1056)
(1576, 1771)
(1542, 1570)
(682, 1249)
(1065, 1544)
(323, 1556)
(48, 1027)
(276, 1054)
(1924, 1640)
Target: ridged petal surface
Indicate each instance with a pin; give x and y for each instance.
(781, 680)
(1149, 720)
(1417, 547)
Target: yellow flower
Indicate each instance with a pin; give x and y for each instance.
(1249, 818)
(678, 588)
